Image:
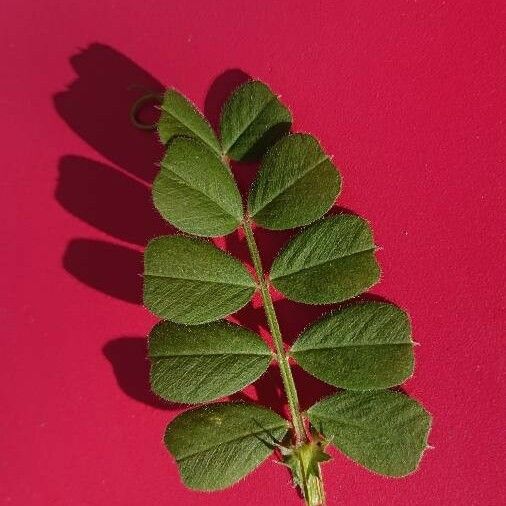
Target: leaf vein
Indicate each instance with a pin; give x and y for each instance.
(172, 115)
(255, 117)
(231, 440)
(355, 345)
(208, 281)
(291, 183)
(317, 264)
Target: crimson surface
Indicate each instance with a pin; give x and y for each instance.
(409, 99)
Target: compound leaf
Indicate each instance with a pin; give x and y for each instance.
(204, 362)
(179, 117)
(191, 281)
(362, 347)
(384, 431)
(217, 445)
(330, 261)
(252, 120)
(296, 184)
(195, 191)
(187, 281)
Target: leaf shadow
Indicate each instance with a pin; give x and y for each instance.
(110, 268)
(128, 358)
(96, 106)
(85, 188)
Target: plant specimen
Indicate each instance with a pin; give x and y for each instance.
(363, 348)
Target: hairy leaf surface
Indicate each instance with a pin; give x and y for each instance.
(204, 362)
(329, 261)
(217, 445)
(296, 184)
(191, 281)
(179, 117)
(383, 431)
(196, 192)
(252, 120)
(362, 347)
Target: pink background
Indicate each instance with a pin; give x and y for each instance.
(408, 96)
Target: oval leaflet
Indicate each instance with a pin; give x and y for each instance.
(191, 281)
(195, 191)
(180, 118)
(295, 185)
(384, 431)
(252, 119)
(361, 347)
(217, 445)
(204, 362)
(329, 261)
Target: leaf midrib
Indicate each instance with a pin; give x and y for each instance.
(356, 345)
(290, 184)
(199, 280)
(265, 429)
(186, 183)
(213, 147)
(260, 111)
(312, 266)
(207, 354)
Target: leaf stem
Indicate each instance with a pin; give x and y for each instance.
(316, 490)
(284, 366)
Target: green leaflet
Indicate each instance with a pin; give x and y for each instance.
(179, 117)
(362, 347)
(383, 431)
(296, 184)
(191, 281)
(252, 119)
(204, 362)
(329, 261)
(196, 192)
(217, 445)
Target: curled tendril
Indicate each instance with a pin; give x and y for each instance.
(137, 107)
